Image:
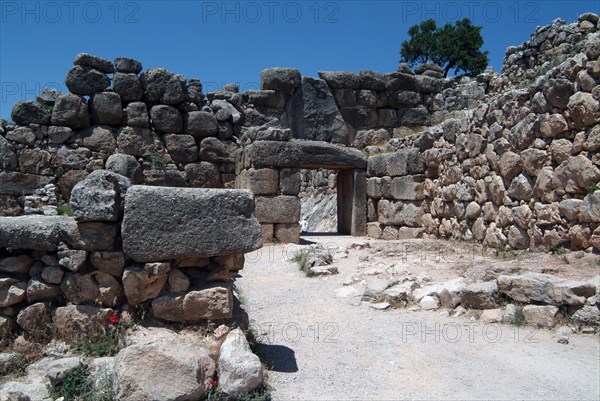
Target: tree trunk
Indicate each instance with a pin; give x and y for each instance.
(447, 69)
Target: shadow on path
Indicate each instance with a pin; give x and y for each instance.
(278, 357)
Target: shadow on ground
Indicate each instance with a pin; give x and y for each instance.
(278, 358)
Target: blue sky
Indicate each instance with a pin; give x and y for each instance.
(221, 42)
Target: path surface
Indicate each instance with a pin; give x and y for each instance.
(324, 347)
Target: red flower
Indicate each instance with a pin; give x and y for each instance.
(114, 319)
(213, 383)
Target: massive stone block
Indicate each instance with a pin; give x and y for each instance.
(402, 162)
(169, 223)
(36, 232)
(100, 196)
(314, 154)
(278, 209)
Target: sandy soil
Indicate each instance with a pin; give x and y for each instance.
(325, 347)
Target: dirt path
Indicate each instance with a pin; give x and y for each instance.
(325, 347)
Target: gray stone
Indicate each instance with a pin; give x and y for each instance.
(166, 119)
(311, 113)
(541, 316)
(584, 109)
(203, 175)
(16, 264)
(314, 154)
(240, 371)
(85, 81)
(8, 157)
(589, 209)
(537, 287)
(15, 183)
(100, 196)
(12, 293)
(127, 65)
(136, 115)
(272, 154)
(48, 96)
(125, 165)
(111, 262)
(77, 322)
(22, 135)
(264, 181)
(97, 139)
(521, 188)
(576, 174)
(88, 60)
(558, 91)
(480, 295)
(71, 111)
(128, 86)
(399, 213)
(37, 232)
(165, 369)
(213, 301)
(182, 148)
(35, 320)
(29, 112)
(179, 213)
(266, 99)
(289, 181)
(278, 209)
(162, 86)
(408, 188)
(72, 259)
(141, 284)
(200, 124)
(371, 80)
(216, 151)
(283, 80)
(59, 134)
(341, 79)
(137, 141)
(403, 162)
(53, 274)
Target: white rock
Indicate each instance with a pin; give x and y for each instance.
(240, 371)
(428, 303)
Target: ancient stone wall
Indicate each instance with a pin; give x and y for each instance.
(521, 169)
(172, 251)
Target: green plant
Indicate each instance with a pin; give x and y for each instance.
(592, 188)
(76, 385)
(15, 366)
(107, 343)
(65, 209)
(301, 258)
(156, 160)
(558, 250)
(263, 393)
(518, 318)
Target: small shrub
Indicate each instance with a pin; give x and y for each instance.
(518, 319)
(156, 160)
(108, 343)
(15, 367)
(263, 393)
(76, 385)
(65, 209)
(558, 250)
(592, 188)
(301, 258)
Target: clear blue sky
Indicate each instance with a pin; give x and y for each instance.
(221, 42)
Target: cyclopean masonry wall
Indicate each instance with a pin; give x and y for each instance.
(171, 250)
(510, 160)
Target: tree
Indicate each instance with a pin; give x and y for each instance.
(452, 46)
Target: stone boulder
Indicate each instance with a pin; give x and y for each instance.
(165, 369)
(127, 65)
(166, 119)
(105, 108)
(84, 80)
(210, 302)
(99, 63)
(76, 322)
(168, 223)
(541, 315)
(480, 295)
(537, 287)
(240, 371)
(128, 86)
(200, 124)
(162, 86)
(71, 111)
(283, 80)
(43, 233)
(125, 165)
(143, 283)
(312, 113)
(584, 109)
(99, 197)
(29, 112)
(137, 141)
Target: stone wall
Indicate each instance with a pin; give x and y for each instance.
(127, 247)
(519, 170)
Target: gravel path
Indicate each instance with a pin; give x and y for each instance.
(323, 347)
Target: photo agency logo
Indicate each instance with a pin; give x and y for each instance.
(254, 12)
(16, 91)
(240, 87)
(481, 11)
(54, 12)
(293, 332)
(469, 332)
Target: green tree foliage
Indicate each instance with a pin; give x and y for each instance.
(455, 46)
